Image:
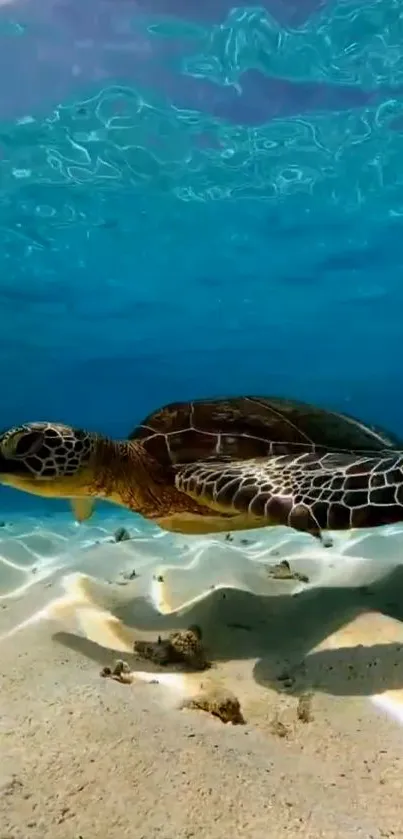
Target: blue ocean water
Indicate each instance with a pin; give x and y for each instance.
(202, 199)
(199, 199)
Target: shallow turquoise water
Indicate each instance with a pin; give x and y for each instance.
(199, 200)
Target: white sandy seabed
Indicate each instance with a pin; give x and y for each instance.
(155, 576)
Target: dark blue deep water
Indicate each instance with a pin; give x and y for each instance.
(199, 199)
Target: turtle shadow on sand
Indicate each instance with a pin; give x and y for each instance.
(280, 635)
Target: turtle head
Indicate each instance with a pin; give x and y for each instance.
(47, 459)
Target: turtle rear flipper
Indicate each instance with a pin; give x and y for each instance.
(310, 492)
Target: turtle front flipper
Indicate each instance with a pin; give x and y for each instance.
(82, 508)
(246, 494)
(309, 492)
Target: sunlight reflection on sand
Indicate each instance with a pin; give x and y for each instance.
(91, 577)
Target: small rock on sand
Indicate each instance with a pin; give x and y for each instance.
(121, 535)
(183, 648)
(120, 672)
(219, 702)
(283, 571)
(304, 707)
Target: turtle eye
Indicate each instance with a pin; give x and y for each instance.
(21, 443)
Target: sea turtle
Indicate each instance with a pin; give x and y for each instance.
(218, 465)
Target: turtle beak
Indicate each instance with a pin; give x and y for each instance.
(7, 466)
(10, 467)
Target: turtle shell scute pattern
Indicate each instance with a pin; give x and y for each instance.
(248, 427)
